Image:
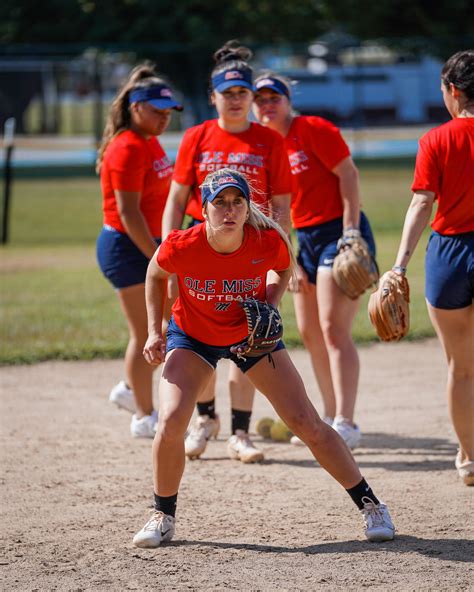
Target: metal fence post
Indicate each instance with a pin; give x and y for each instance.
(8, 142)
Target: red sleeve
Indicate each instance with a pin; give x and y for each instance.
(166, 252)
(327, 143)
(128, 165)
(427, 174)
(279, 168)
(184, 171)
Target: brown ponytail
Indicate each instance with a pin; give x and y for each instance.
(119, 118)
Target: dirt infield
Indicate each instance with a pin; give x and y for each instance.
(76, 487)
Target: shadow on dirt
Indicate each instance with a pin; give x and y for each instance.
(406, 451)
(460, 550)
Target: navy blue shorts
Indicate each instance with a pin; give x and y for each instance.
(176, 338)
(449, 270)
(120, 260)
(317, 245)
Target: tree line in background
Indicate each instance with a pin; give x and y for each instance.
(205, 24)
(180, 36)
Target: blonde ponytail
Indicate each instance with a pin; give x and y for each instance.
(260, 221)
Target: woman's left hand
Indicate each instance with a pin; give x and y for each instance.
(300, 283)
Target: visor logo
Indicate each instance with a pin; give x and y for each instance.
(265, 82)
(233, 75)
(223, 180)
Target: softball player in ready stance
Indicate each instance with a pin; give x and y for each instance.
(325, 206)
(231, 140)
(444, 173)
(215, 267)
(135, 176)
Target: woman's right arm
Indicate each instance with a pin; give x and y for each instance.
(128, 205)
(175, 208)
(155, 294)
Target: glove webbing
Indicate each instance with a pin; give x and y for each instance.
(251, 336)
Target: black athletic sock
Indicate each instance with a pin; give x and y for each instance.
(207, 408)
(167, 505)
(240, 420)
(361, 490)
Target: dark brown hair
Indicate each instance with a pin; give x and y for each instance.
(231, 56)
(459, 71)
(119, 118)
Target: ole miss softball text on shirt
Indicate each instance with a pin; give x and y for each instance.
(314, 147)
(211, 284)
(257, 152)
(132, 163)
(445, 166)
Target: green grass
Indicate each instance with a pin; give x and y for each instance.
(55, 304)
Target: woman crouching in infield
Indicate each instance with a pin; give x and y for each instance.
(237, 253)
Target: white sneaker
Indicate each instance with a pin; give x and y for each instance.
(348, 432)
(240, 447)
(122, 396)
(465, 469)
(298, 442)
(378, 524)
(159, 529)
(145, 427)
(203, 429)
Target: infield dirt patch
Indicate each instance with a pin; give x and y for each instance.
(76, 487)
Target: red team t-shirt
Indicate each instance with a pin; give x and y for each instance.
(212, 283)
(445, 165)
(258, 152)
(132, 163)
(314, 146)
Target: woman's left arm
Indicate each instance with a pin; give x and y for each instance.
(348, 176)
(416, 219)
(277, 281)
(280, 207)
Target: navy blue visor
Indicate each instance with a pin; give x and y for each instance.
(159, 95)
(221, 182)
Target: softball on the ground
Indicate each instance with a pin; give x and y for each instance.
(279, 432)
(263, 425)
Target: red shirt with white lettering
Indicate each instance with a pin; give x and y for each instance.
(314, 146)
(211, 284)
(258, 152)
(445, 166)
(132, 163)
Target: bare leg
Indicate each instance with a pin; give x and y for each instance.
(307, 318)
(301, 417)
(242, 391)
(138, 372)
(209, 393)
(185, 375)
(455, 329)
(337, 313)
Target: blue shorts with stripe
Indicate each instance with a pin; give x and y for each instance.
(119, 259)
(317, 245)
(176, 338)
(449, 270)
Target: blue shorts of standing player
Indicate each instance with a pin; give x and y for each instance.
(120, 260)
(449, 266)
(318, 244)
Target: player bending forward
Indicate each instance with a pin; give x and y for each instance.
(216, 269)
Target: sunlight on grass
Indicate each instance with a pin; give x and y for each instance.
(56, 304)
